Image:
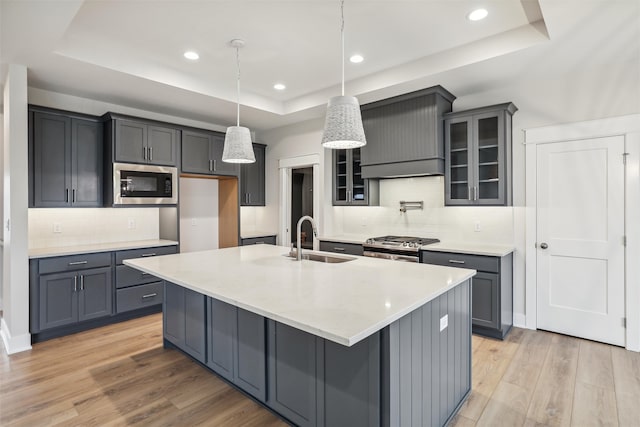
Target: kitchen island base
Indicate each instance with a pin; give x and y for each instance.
(414, 372)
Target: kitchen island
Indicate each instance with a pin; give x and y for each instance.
(363, 342)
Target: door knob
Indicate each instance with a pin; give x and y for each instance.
(543, 245)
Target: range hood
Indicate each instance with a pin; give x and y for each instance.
(405, 134)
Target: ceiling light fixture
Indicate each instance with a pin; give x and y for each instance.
(343, 123)
(356, 59)
(191, 55)
(237, 141)
(279, 86)
(477, 15)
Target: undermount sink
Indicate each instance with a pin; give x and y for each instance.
(329, 259)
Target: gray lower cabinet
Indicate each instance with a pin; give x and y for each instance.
(492, 296)
(236, 346)
(202, 154)
(341, 248)
(252, 190)
(75, 296)
(262, 240)
(184, 320)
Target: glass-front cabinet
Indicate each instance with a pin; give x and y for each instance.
(349, 187)
(478, 156)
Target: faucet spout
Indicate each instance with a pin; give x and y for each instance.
(299, 230)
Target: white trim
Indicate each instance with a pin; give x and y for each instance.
(583, 130)
(632, 231)
(520, 320)
(300, 161)
(14, 344)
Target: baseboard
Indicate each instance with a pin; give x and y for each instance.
(520, 320)
(14, 344)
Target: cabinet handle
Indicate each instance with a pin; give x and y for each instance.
(475, 193)
(339, 249)
(248, 198)
(211, 165)
(259, 243)
(78, 262)
(149, 295)
(144, 274)
(151, 254)
(82, 282)
(455, 261)
(468, 192)
(73, 195)
(66, 195)
(214, 165)
(150, 153)
(75, 283)
(144, 153)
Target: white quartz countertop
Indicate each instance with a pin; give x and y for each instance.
(470, 248)
(253, 234)
(97, 247)
(344, 303)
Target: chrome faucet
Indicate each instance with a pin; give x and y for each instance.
(298, 232)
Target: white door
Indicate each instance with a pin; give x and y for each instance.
(580, 229)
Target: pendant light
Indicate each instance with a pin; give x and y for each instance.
(343, 123)
(237, 141)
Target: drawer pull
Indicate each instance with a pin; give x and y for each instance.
(150, 254)
(455, 261)
(150, 295)
(339, 249)
(259, 243)
(78, 262)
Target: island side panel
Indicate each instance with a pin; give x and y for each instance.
(426, 372)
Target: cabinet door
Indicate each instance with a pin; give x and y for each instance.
(222, 332)
(459, 168)
(195, 328)
(220, 167)
(359, 186)
(340, 177)
(252, 179)
(95, 292)
(130, 142)
(86, 157)
(58, 301)
(489, 175)
(250, 360)
(51, 160)
(195, 152)
(292, 373)
(485, 302)
(173, 314)
(162, 146)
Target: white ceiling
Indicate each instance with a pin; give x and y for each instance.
(130, 52)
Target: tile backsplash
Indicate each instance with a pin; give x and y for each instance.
(80, 226)
(482, 224)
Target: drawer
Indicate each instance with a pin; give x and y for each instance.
(140, 296)
(127, 276)
(266, 240)
(145, 252)
(74, 262)
(489, 264)
(341, 248)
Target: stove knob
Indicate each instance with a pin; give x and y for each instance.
(369, 241)
(405, 244)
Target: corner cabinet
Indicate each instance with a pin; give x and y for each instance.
(252, 179)
(349, 187)
(65, 160)
(478, 156)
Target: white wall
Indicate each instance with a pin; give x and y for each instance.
(1, 198)
(198, 214)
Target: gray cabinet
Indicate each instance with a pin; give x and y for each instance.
(65, 161)
(184, 320)
(342, 248)
(405, 134)
(140, 142)
(349, 187)
(202, 154)
(72, 297)
(252, 191)
(236, 346)
(478, 160)
(262, 240)
(492, 289)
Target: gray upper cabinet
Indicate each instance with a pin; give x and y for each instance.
(405, 134)
(202, 154)
(349, 187)
(252, 179)
(65, 161)
(478, 161)
(140, 142)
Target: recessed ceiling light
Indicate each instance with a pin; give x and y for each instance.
(356, 59)
(477, 15)
(279, 86)
(191, 55)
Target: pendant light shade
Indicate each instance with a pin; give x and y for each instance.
(237, 141)
(343, 123)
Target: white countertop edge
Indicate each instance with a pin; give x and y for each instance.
(254, 234)
(346, 341)
(470, 248)
(35, 253)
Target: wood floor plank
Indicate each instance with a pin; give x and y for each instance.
(595, 364)
(626, 373)
(507, 407)
(527, 362)
(594, 406)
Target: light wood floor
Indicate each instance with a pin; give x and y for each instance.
(121, 375)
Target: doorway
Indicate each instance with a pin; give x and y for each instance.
(301, 205)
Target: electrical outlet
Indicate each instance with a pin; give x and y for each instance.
(477, 227)
(131, 224)
(444, 322)
(57, 227)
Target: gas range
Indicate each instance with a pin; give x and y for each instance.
(403, 248)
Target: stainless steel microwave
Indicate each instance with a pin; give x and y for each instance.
(135, 184)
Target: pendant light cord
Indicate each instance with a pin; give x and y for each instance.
(238, 87)
(342, 40)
